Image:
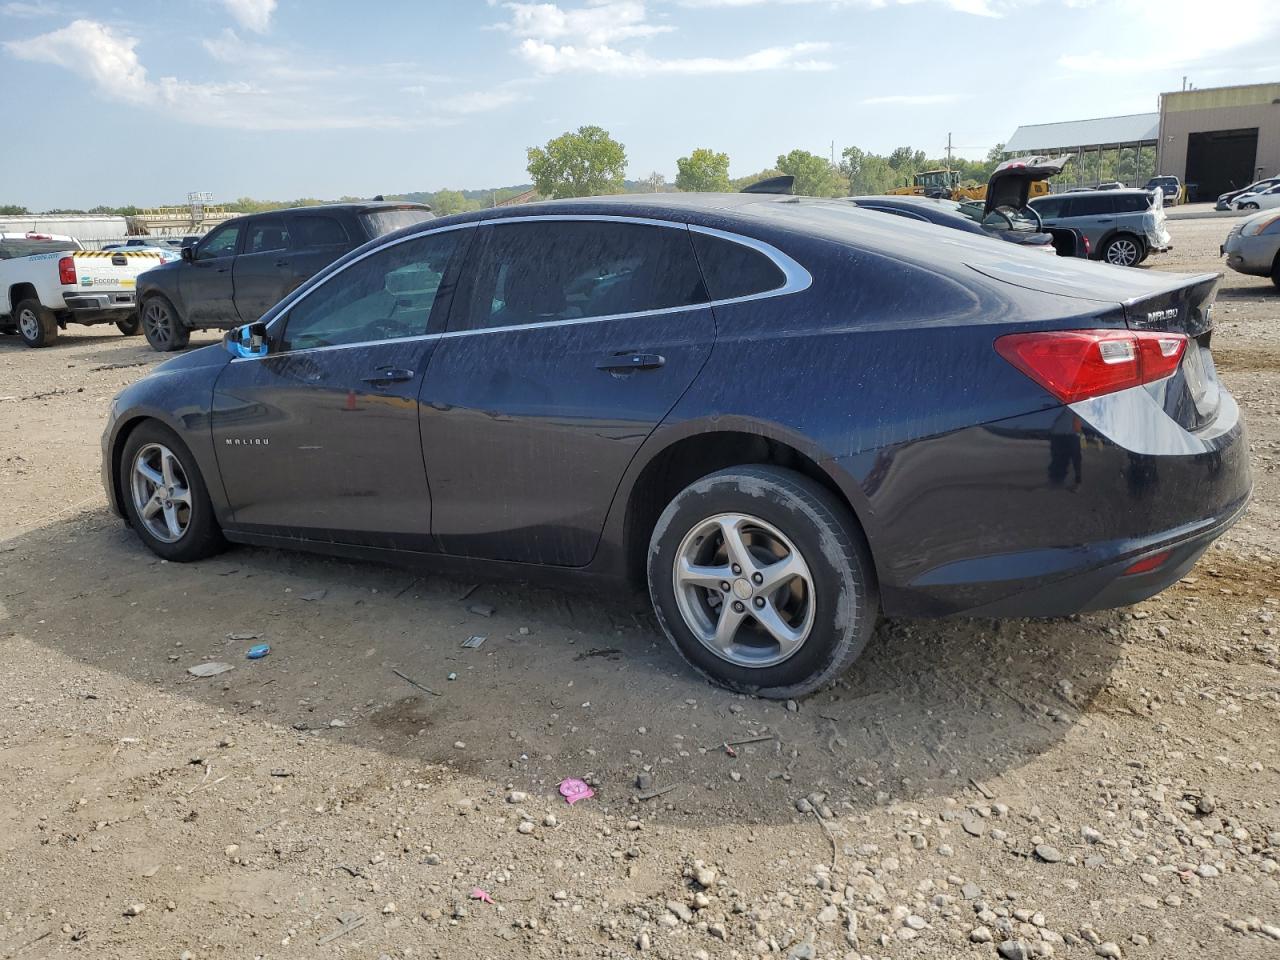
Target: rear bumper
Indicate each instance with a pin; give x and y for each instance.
(99, 306)
(1043, 514)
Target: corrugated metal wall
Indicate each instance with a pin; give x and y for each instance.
(1224, 108)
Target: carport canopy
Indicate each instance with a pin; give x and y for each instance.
(1086, 139)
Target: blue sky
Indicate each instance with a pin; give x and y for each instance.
(145, 101)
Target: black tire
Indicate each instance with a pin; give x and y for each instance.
(1123, 250)
(131, 327)
(162, 326)
(1249, 206)
(1275, 271)
(200, 535)
(844, 597)
(37, 325)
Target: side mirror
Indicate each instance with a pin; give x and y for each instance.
(248, 341)
(189, 254)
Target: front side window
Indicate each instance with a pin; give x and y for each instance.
(221, 243)
(536, 272)
(267, 234)
(387, 295)
(1049, 207)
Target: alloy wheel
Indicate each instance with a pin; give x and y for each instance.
(744, 590)
(1122, 252)
(161, 493)
(157, 321)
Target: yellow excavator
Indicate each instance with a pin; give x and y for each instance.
(945, 184)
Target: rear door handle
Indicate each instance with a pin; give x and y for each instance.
(388, 375)
(631, 361)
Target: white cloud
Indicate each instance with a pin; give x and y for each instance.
(253, 15)
(978, 8)
(109, 60)
(29, 11)
(599, 38)
(548, 58)
(913, 99)
(597, 24)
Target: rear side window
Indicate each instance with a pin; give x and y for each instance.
(1133, 203)
(537, 272)
(379, 222)
(318, 231)
(734, 270)
(1091, 206)
(1049, 207)
(266, 234)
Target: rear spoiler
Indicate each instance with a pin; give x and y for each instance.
(784, 184)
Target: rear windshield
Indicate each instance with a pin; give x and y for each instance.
(379, 222)
(11, 249)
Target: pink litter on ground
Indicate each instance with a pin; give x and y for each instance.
(481, 895)
(574, 790)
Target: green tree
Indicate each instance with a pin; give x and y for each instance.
(13, 210)
(815, 177)
(447, 202)
(703, 171)
(582, 164)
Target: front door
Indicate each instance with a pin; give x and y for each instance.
(319, 439)
(262, 272)
(568, 342)
(208, 287)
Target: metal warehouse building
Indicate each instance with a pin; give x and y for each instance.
(1213, 140)
(1220, 138)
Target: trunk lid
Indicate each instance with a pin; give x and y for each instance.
(1010, 184)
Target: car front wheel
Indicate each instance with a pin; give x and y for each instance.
(162, 326)
(1123, 251)
(165, 496)
(762, 580)
(1248, 206)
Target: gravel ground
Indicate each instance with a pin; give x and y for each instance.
(1104, 785)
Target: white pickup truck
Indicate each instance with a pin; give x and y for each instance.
(48, 281)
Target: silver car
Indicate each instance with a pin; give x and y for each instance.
(1123, 226)
(1253, 246)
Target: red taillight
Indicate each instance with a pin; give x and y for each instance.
(1079, 364)
(67, 270)
(1088, 247)
(1147, 564)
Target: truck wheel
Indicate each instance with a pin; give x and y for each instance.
(37, 325)
(762, 581)
(162, 326)
(1123, 250)
(131, 327)
(1275, 271)
(165, 496)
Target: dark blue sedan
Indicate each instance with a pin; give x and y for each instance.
(784, 415)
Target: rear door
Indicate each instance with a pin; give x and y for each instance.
(569, 341)
(261, 272)
(207, 284)
(1093, 214)
(318, 240)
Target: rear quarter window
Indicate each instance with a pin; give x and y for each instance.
(379, 222)
(1133, 203)
(733, 270)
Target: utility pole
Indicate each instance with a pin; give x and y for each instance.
(948, 153)
(833, 153)
(1184, 83)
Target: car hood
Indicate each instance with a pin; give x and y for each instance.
(1010, 184)
(214, 355)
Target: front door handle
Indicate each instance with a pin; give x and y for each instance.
(282, 263)
(387, 375)
(630, 361)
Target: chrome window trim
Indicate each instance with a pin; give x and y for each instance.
(796, 279)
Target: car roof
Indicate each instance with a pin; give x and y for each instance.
(1127, 191)
(363, 206)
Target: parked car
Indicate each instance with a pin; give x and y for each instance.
(1110, 185)
(1253, 246)
(1123, 226)
(1003, 214)
(239, 270)
(1263, 199)
(132, 242)
(1171, 187)
(48, 281)
(1224, 199)
(784, 414)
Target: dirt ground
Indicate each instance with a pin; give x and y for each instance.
(1102, 785)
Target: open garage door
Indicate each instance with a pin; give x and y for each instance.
(1220, 160)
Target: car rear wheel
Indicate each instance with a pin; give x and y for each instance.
(165, 496)
(131, 327)
(162, 326)
(1275, 270)
(37, 325)
(1123, 250)
(762, 581)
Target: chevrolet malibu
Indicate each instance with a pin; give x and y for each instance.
(784, 415)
